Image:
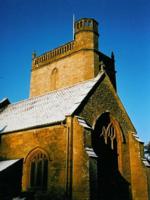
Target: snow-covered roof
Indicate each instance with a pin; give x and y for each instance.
(7, 163)
(46, 109)
(83, 123)
(146, 163)
(91, 152)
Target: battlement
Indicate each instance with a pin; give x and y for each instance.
(86, 24)
(53, 55)
(81, 41)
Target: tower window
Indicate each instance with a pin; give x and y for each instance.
(89, 23)
(38, 172)
(86, 23)
(80, 24)
(54, 76)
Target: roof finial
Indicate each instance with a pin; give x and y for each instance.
(102, 66)
(112, 55)
(73, 22)
(33, 55)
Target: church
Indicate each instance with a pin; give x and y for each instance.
(72, 139)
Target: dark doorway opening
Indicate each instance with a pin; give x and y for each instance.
(111, 184)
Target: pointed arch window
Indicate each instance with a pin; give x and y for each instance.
(38, 171)
(54, 77)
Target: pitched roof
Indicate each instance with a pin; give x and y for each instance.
(46, 109)
(7, 163)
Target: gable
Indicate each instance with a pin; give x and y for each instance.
(103, 98)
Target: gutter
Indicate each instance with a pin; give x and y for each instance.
(33, 127)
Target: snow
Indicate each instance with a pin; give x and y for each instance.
(5, 164)
(46, 109)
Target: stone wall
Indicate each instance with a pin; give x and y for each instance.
(71, 69)
(139, 179)
(104, 99)
(52, 140)
(81, 164)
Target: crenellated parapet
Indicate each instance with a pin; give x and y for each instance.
(85, 37)
(53, 55)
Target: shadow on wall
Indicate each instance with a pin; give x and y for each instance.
(110, 183)
(11, 180)
(53, 194)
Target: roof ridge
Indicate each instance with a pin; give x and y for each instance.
(57, 90)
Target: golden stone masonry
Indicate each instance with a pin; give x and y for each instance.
(72, 139)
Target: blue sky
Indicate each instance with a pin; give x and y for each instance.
(41, 25)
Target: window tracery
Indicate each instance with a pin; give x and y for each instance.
(109, 134)
(38, 171)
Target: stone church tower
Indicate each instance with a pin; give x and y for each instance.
(72, 139)
(76, 61)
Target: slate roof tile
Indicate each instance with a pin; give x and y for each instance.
(46, 109)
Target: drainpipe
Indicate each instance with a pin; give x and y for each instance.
(69, 159)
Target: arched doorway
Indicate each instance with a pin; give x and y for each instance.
(111, 183)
